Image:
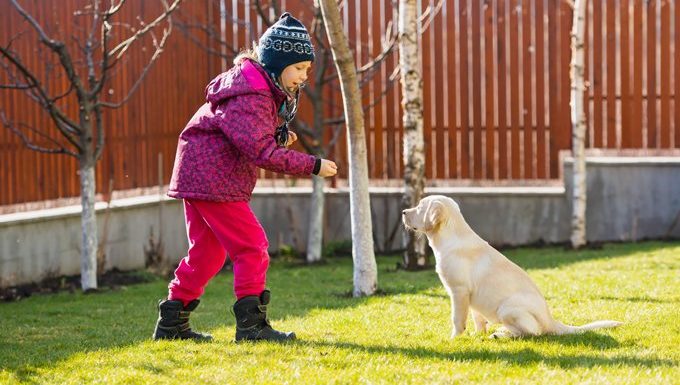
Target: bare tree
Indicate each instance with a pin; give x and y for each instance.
(212, 39)
(578, 125)
(88, 70)
(365, 269)
(414, 154)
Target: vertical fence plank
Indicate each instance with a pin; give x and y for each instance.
(426, 65)
(527, 110)
(489, 75)
(611, 74)
(514, 90)
(597, 81)
(624, 58)
(438, 102)
(452, 88)
(665, 80)
(502, 90)
(636, 110)
(651, 75)
(379, 86)
(476, 91)
(464, 89)
(564, 133)
(541, 161)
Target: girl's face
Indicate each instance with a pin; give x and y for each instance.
(294, 75)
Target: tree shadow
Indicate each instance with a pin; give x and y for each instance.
(552, 257)
(523, 357)
(588, 339)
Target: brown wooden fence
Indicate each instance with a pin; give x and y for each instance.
(496, 89)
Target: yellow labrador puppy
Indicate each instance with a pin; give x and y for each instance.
(477, 276)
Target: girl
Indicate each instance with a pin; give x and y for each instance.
(215, 172)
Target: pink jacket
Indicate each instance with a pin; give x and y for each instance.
(231, 135)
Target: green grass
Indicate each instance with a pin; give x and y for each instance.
(398, 337)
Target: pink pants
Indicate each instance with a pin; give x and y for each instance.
(215, 229)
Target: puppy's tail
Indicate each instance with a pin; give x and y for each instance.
(560, 328)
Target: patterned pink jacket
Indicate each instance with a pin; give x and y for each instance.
(231, 135)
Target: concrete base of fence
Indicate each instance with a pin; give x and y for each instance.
(628, 199)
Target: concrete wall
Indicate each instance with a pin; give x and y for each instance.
(628, 199)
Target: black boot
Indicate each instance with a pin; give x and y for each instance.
(173, 322)
(252, 323)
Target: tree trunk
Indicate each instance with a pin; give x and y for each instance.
(578, 127)
(414, 155)
(365, 270)
(88, 253)
(315, 233)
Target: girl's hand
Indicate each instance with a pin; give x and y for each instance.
(292, 137)
(328, 168)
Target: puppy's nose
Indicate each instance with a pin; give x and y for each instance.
(403, 211)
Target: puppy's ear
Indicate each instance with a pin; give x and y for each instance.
(434, 214)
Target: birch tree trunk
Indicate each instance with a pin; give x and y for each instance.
(414, 155)
(365, 270)
(88, 253)
(316, 209)
(578, 126)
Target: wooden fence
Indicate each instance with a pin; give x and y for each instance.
(495, 86)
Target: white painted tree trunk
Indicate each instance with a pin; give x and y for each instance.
(578, 126)
(414, 155)
(316, 209)
(88, 252)
(365, 269)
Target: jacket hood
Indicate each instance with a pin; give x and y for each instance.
(247, 77)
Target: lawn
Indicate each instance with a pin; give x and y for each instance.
(400, 336)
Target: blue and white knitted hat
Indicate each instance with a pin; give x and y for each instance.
(286, 42)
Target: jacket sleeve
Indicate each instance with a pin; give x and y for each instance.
(249, 123)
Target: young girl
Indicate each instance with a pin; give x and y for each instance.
(236, 131)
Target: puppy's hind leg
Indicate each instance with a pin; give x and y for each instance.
(519, 323)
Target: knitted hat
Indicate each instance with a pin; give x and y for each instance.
(286, 42)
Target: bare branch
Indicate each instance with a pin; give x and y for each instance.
(120, 49)
(261, 11)
(390, 83)
(65, 94)
(114, 8)
(99, 126)
(336, 135)
(65, 125)
(210, 32)
(430, 14)
(31, 145)
(15, 86)
(303, 129)
(90, 45)
(159, 49)
(43, 36)
(57, 46)
(390, 41)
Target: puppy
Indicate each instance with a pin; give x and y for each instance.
(477, 276)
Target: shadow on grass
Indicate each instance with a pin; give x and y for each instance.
(589, 339)
(524, 357)
(552, 257)
(637, 299)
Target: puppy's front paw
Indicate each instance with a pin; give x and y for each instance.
(457, 332)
